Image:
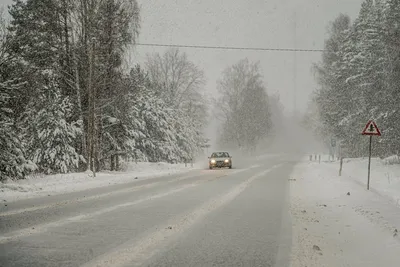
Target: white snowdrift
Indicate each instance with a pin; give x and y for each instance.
(337, 222)
(43, 185)
(385, 175)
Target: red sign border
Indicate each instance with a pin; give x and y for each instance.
(364, 132)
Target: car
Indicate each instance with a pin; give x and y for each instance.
(220, 160)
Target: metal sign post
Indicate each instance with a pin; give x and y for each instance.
(369, 160)
(370, 129)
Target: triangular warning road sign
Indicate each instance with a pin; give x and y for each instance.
(371, 129)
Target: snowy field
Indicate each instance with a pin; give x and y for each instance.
(43, 185)
(337, 222)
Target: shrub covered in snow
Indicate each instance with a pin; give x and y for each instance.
(392, 160)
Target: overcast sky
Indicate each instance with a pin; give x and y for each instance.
(245, 23)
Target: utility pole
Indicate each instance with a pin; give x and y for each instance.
(295, 63)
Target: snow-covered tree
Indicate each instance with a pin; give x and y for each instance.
(13, 161)
(50, 134)
(179, 83)
(65, 94)
(244, 106)
(358, 77)
(175, 77)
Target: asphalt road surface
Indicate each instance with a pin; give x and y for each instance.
(236, 217)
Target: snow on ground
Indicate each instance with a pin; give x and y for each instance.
(43, 185)
(337, 222)
(385, 177)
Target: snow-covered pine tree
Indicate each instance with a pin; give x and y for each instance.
(358, 78)
(189, 138)
(332, 99)
(390, 14)
(160, 143)
(122, 126)
(49, 134)
(115, 26)
(372, 62)
(13, 162)
(36, 45)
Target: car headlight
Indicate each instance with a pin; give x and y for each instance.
(227, 161)
(213, 161)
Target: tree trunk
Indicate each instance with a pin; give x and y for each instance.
(112, 165)
(92, 117)
(67, 59)
(117, 162)
(83, 148)
(99, 137)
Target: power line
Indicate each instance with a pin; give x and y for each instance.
(232, 48)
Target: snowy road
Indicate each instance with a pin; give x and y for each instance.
(235, 217)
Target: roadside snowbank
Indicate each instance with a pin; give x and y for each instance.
(337, 222)
(43, 185)
(385, 176)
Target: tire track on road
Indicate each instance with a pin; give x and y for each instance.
(135, 253)
(37, 229)
(97, 196)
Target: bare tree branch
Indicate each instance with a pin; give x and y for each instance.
(177, 79)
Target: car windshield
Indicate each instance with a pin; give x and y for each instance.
(220, 155)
